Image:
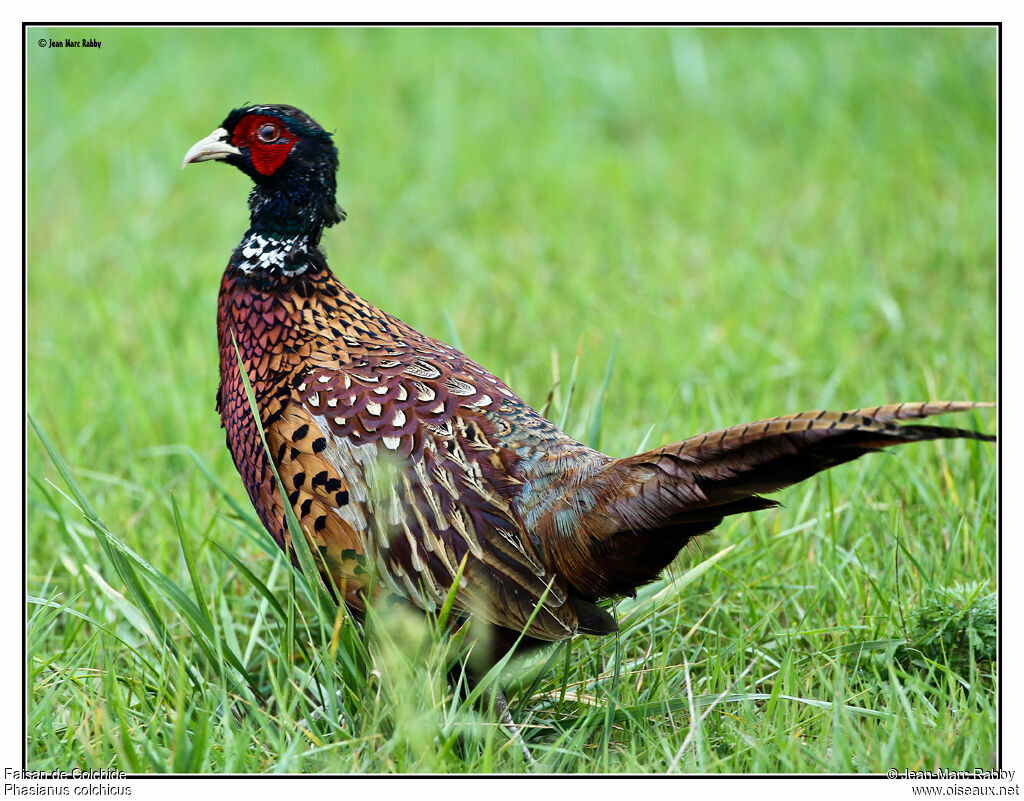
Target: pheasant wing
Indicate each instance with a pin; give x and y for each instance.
(393, 471)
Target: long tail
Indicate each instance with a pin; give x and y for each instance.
(646, 507)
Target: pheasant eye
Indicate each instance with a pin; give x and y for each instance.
(267, 133)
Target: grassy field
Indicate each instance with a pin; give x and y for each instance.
(752, 221)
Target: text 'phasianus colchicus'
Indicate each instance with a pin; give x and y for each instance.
(474, 474)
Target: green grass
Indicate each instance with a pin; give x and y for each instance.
(764, 221)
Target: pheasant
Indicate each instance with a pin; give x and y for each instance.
(404, 459)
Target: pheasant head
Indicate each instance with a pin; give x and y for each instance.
(292, 161)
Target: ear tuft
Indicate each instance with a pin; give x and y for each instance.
(333, 213)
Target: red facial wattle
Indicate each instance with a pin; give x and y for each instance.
(266, 157)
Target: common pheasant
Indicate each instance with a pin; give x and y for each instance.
(352, 398)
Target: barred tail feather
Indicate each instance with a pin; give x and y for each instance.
(649, 505)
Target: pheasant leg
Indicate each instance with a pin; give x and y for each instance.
(501, 706)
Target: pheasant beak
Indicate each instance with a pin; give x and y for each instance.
(215, 146)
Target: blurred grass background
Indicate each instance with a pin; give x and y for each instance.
(768, 220)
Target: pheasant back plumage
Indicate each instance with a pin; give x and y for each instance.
(400, 456)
